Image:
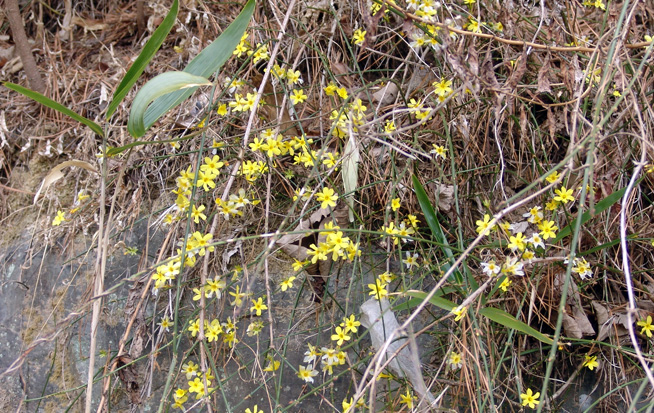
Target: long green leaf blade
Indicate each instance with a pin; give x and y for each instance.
(149, 50)
(434, 225)
(509, 321)
(161, 85)
(206, 63)
(440, 302)
(54, 105)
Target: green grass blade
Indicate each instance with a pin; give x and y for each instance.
(434, 225)
(509, 321)
(54, 105)
(600, 207)
(209, 61)
(161, 85)
(137, 68)
(440, 302)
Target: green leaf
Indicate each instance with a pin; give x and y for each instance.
(161, 85)
(509, 321)
(139, 65)
(434, 225)
(54, 105)
(600, 207)
(209, 61)
(435, 300)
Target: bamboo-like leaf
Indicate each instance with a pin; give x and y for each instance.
(434, 225)
(139, 65)
(161, 85)
(54, 105)
(441, 302)
(509, 321)
(206, 63)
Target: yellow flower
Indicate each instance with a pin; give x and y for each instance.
(238, 296)
(287, 283)
(486, 225)
(647, 326)
(347, 405)
(298, 96)
(197, 214)
(551, 205)
(222, 110)
(395, 204)
(330, 89)
(553, 177)
(407, 399)
(517, 242)
(547, 229)
(505, 284)
(460, 312)
(443, 88)
(350, 324)
(530, 399)
(165, 323)
(256, 410)
(439, 150)
(378, 289)
(258, 306)
(307, 374)
(563, 195)
(273, 364)
(327, 197)
(340, 336)
(591, 362)
(359, 36)
(473, 26)
(455, 360)
(58, 219)
(293, 77)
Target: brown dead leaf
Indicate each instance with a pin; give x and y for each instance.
(488, 72)
(543, 76)
(342, 73)
(575, 321)
(582, 321)
(551, 123)
(55, 174)
(128, 375)
(464, 74)
(570, 327)
(523, 121)
(605, 320)
(473, 60)
(519, 69)
(444, 196)
(386, 95)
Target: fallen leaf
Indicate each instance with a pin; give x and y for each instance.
(543, 76)
(379, 319)
(386, 95)
(55, 174)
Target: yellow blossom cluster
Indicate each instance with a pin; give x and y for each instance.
(336, 244)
